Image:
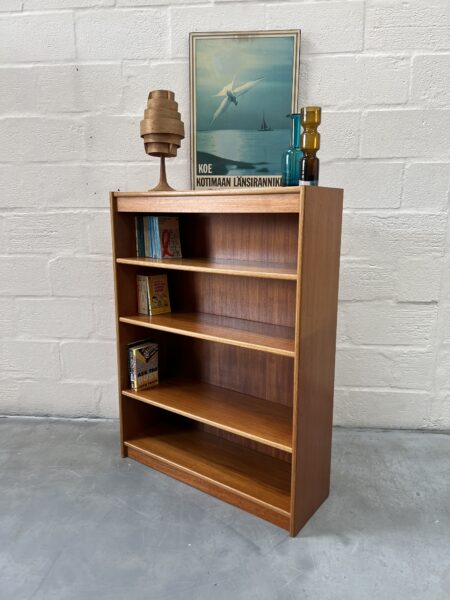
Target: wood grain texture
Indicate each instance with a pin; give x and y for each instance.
(221, 267)
(238, 332)
(265, 301)
(262, 479)
(265, 422)
(248, 237)
(315, 351)
(259, 374)
(230, 203)
(279, 251)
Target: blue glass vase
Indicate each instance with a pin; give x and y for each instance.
(290, 161)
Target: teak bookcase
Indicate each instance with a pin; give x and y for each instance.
(244, 406)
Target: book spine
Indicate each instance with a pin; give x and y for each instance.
(152, 236)
(146, 237)
(141, 236)
(142, 294)
(136, 230)
(132, 368)
(155, 237)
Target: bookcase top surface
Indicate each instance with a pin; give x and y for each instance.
(221, 192)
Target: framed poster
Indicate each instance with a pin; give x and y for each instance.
(243, 86)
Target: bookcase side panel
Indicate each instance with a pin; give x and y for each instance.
(316, 347)
(115, 219)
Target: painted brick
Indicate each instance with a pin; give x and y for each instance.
(61, 105)
(366, 184)
(342, 22)
(372, 367)
(22, 359)
(7, 317)
(384, 323)
(122, 34)
(419, 278)
(51, 398)
(339, 135)
(3, 245)
(93, 361)
(185, 19)
(18, 85)
(108, 402)
(354, 81)
(47, 318)
(99, 233)
(39, 233)
(445, 320)
(114, 138)
(81, 276)
(413, 369)
(427, 187)
(60, 186)
(23, 276)
(139, 79)
(104, 321)
(137, 3)
(366, 281)
(430, 80)
(43, 37)
(10, 5)
(392, 25)
(78, 88)
(390, 236)
(443, 371)
(59, 4)
(405, 133)
(41, 139)
(440, 412)
(373, 408)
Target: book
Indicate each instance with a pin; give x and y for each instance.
(157, 237)
(152, 294)
(143, 364)
(140, 245)
(168, 237)
(142, 294)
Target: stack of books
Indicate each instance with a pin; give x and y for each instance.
(152, 294)
(157, 237)
(143, 365)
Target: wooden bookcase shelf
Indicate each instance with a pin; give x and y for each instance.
(216, 328)
(222, 267)
(244, 406)
(256, 419)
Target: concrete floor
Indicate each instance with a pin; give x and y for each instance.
(79, 523)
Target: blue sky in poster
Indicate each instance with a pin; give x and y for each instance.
(222, 60)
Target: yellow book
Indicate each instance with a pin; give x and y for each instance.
(158, 294)
(152, 294)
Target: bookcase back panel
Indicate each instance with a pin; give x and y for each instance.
(246, 443)
(264, 300)
(251, 237)
(259, 374)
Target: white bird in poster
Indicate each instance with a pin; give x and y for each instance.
(230, 94)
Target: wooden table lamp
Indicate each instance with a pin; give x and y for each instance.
(162, 130)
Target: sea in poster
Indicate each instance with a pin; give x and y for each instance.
(243, 94)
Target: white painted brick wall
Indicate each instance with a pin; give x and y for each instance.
(74, 76)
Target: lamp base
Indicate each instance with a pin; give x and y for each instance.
(162, 186)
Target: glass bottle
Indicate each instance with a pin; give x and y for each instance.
(310, 144)
(290, 161)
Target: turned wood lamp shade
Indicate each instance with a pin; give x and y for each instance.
(162, 130)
